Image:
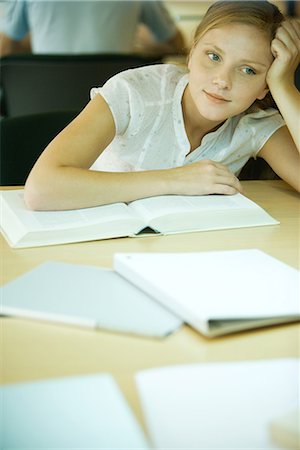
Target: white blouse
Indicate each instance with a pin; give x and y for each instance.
(150, 133)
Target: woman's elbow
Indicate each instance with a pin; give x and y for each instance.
(32, 196)
(36, 192)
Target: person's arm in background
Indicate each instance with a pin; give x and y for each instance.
(14, 28)
(145, 43)
(158, 33)
(9, 46)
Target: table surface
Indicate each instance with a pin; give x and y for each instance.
(33, 350)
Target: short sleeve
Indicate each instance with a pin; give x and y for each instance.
(13, 19)
(157, 18)
(264, 124)
(124, 101)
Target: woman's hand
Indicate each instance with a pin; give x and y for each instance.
(202, 178)
(285, 48)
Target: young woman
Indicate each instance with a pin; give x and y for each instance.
(168, 130)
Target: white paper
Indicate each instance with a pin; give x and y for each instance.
(87, 296)
(218, 405)
(86, 412)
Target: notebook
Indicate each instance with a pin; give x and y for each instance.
(82, 412)
(217, 292)
(220, 406)
(85, 296)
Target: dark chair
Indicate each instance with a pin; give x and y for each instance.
(22, 141)
(33, 84)
(257, 169)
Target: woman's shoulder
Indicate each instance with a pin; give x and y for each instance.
(151, 75)
(257, 119)
(147, 83)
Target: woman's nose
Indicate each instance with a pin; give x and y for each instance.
(222, 80)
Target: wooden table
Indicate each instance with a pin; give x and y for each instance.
(34, 350)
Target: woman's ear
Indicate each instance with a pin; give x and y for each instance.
(263, 93)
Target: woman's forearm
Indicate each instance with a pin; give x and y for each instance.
(288, 102)
(72, 187)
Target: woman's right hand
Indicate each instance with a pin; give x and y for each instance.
(203, 178)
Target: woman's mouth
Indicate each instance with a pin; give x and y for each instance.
(215, 98)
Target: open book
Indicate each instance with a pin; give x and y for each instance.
(217, 292)
(164, 215)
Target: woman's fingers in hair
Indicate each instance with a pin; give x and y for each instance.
(285, 48)
(293, 28)
(289, 34)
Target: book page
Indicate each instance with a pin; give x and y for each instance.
(51, 220)
(218, 405)
(164, 205)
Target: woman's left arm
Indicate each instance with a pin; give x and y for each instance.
(282, 150)
(280, 77)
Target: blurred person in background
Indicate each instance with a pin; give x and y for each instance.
(74, 27)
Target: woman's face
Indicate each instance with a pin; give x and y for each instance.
(228, 69)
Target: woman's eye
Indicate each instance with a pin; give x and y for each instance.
(248, 71)
(213, 56)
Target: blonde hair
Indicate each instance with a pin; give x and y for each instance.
(260, 13)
